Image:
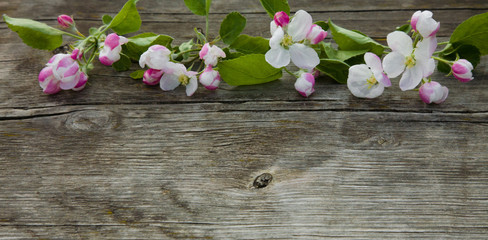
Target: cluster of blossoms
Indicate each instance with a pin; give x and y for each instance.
(294, 39)
(411, 57)
(291, 40)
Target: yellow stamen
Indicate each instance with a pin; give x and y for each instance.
(371, 81)
(183, 79)
(410, 61)
(287, 41)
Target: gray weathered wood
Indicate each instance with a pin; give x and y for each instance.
(120, 160)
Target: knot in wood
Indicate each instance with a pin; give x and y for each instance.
(262, 180)
(92, 121)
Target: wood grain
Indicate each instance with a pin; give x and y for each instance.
(121, 160)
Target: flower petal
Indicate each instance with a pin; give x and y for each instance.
(192, 86)
(303, 56)
(300, 25)
(358, 85)
(426, 48)
(394, 64)
(278, 57)
(169, 82)
(277, 37)
(411, 78)
(373, 62)
(400, 42)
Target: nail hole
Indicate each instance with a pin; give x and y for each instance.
(262, 180)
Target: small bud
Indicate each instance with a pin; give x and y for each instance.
(316, 34)
(65, 21)
(433, 92)
(304, 84)
(152, 76)
(77, 54)
(210, 78)
(461, 69)
(281, 19)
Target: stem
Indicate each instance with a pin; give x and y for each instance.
(442, 60)
(72, 35)
(187, 51)
(443, 43)
(288, 71)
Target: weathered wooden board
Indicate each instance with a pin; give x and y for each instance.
(121, 160)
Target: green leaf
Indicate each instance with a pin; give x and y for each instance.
(201, 38)
(247, 44)
(197, 7)
(123, 64)
(405, 28)
(341, 55)
(93, 31)
(35, 34)
(473, 31)
(138, 44)
(323, 25)
(354, 40)
(127, 20)
(106, 19)
(208, 3)
(231, 27)
(468, 52)
(185, 47)
(248, 70)
(274, 6)
(139, 74)
(335, 69)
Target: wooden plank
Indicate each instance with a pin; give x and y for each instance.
(173, 171)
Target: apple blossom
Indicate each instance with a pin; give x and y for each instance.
(316, 34)
(461, 69)
(65, 21)
(423, 22)
(210, 78)
(152, 76)
(433, 92)
(155, 57)
(368, 80)
(281, 19)
(62, 72)
(286, 44)
(415, 64)
(176, 74)
(211, 54)
(111, 49)
(305, 83)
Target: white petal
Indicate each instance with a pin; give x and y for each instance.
(142, 59)
(278, 57)
(303, 56)
(69, 84)
(357, 82)
(400, 42)
(192, 86)
(277, 37)
(373, 61)
(300, 25)
(169, 82)
(425, 48)
(426, 25)
(428, 67)
(273, 27)
(411, 78)
(394, 64)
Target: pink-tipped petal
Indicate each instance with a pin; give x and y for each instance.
(112, 41)
(300, 25)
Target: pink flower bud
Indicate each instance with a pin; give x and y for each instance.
(152, 76)
(111, 49)
(281, 19)
(461, 69)
(210, 78)
(304, 84)
(83, 78)
(211, 54)
(62, 73)
(433, 92)
(48, 82)
(423, 22)
(316, 34)
(77, 54)
(65, 21)
(156, 57)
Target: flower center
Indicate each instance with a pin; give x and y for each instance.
(371, 81)
(410, 61)
(287, 41)
(183, 79)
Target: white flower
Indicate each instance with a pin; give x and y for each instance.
(433, 92)
(155, 57)
(211, 54)
(176, 74)
(415, 64)
(424, 23)
(368, 80)
(285, 44)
